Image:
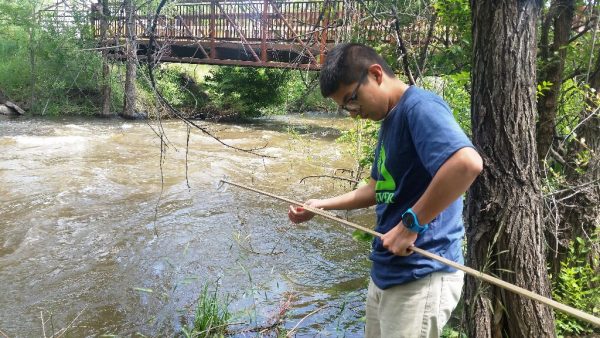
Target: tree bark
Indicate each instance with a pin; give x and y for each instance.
(553, 65)
(131, 62)
(504, 208)
(552, 59)
(430, 30)
(32, 62)
(401, 48)
(105, 88)
(579, 206)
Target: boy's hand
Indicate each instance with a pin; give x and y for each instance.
(399, 240)
(299, 214)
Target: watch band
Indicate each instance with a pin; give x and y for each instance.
(415, 226)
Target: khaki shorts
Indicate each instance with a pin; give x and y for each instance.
(418, 309)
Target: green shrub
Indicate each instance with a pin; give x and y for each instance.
(48, 68)
(177, 84)
(363, 138)
(245, 90)
(363, 141)
(577, 285)
(454, 90)
(302, 94)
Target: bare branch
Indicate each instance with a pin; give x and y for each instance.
(587, 27)
(151, 65)
(329, 176)
(292, 331)
(403, 54)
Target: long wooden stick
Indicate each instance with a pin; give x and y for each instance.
(469, 271)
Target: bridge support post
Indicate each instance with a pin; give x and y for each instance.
(263, 32)
(323, 43)
(213, 10)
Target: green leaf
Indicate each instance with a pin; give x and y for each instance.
(362, 236)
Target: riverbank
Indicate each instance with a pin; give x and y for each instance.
(192, 91)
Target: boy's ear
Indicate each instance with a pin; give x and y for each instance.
(376, 71)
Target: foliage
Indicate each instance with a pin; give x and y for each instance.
(388, 52)
(361, 236)
(50, 68)
(542, 88)
(455, 90)
(363, 137)
(248, 91)
(455, 14)
(177, 84)
(303, 94)
(47, 65)
(573, 100)
(454, 31)
(578, 285)
(211, 316)
(451, 333)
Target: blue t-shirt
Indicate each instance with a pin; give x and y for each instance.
(417, 136)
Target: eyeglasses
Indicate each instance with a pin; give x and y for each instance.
(351, 104)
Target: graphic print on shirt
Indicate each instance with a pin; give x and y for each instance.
(384, 189)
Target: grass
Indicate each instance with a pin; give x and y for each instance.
(210, 317)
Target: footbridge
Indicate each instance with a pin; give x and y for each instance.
(259, 33)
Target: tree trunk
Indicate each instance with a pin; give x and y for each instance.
(505, 231)
(430, 31)
(131, 63)
(552, 59)
(553, 65)
(105, 88)
(32, 69)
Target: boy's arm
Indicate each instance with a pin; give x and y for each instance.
(362, 197)
(452, 179)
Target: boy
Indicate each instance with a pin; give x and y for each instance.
(423, 164)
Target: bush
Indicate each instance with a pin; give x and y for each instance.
(49, 69)
(247, 91)
(303, 94)
(454, 90)
(177, 84)
(577, 285)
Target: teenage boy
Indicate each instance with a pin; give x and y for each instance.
(423, 165)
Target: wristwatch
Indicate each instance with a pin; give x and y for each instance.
(411, 222)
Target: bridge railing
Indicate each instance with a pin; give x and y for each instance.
(257, 20)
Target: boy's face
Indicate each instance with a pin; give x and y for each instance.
(363, 99)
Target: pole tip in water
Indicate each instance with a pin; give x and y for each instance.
(221, 186)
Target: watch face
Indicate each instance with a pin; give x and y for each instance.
(408, 220)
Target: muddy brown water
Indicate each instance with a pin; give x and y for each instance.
(86, 242)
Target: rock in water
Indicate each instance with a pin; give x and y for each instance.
(9, 108)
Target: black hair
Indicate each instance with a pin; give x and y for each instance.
(345, 63)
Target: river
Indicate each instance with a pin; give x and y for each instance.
(94, 240)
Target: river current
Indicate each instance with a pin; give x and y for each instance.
(95, 240)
